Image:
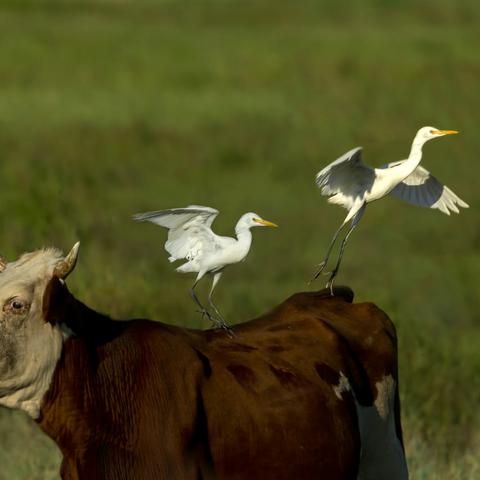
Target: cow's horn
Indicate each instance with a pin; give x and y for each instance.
(3, 264)
(65, 266)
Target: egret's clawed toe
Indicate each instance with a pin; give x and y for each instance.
(320, 268)
(329, 284)
(219, 323)
(205, 313)
(228, 331)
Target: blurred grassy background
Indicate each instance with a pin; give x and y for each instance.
(108, 108)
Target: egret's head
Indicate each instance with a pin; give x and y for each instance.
(254, 220)
(427, 133)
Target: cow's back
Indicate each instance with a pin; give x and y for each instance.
(282, 399)
(285, 398)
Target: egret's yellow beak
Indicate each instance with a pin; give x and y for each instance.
(445, 132)
(265, 223)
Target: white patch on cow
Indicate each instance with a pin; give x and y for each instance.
(343, 386)
(382, 456)
(385, 394)
(31, 346)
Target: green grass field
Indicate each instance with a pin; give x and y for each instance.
(112, 107)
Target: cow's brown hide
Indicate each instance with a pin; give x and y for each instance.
(145, 400)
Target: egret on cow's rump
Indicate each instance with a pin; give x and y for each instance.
(350, 183)
(191, 238)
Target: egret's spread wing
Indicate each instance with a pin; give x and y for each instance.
(189, 233)
(174, 217)
(421, 188)
(346, 179)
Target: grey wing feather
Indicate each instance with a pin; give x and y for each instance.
(176, 216)
(189, 233)
(346, 179)
(422, 189)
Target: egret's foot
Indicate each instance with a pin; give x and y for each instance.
(229, 331)
(206, 313)
(320, 268)
(329, 284)
(220, 323)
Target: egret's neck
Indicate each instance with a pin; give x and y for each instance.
(244, 236)
(244, 240)
(413, 160)
(243, 232)
(415, 153)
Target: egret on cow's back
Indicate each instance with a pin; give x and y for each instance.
(350, 183)
(191, 238)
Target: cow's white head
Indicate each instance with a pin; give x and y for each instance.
(30, 347)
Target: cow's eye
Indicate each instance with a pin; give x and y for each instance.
(16, 305)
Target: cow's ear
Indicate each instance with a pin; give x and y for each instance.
(56, 299)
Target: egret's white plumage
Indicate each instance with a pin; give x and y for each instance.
(190, 238)
(352, 184)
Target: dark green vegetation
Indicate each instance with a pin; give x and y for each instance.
(109, 108)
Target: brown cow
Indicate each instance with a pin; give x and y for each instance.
(306, 391)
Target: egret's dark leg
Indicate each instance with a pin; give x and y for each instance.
(203, 310)
(216, 278)
(220, 321)
(321, 266)
(334, 272)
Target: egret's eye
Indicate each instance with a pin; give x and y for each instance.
(431, 131)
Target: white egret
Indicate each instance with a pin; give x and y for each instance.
(352, 184)
(190, 237)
